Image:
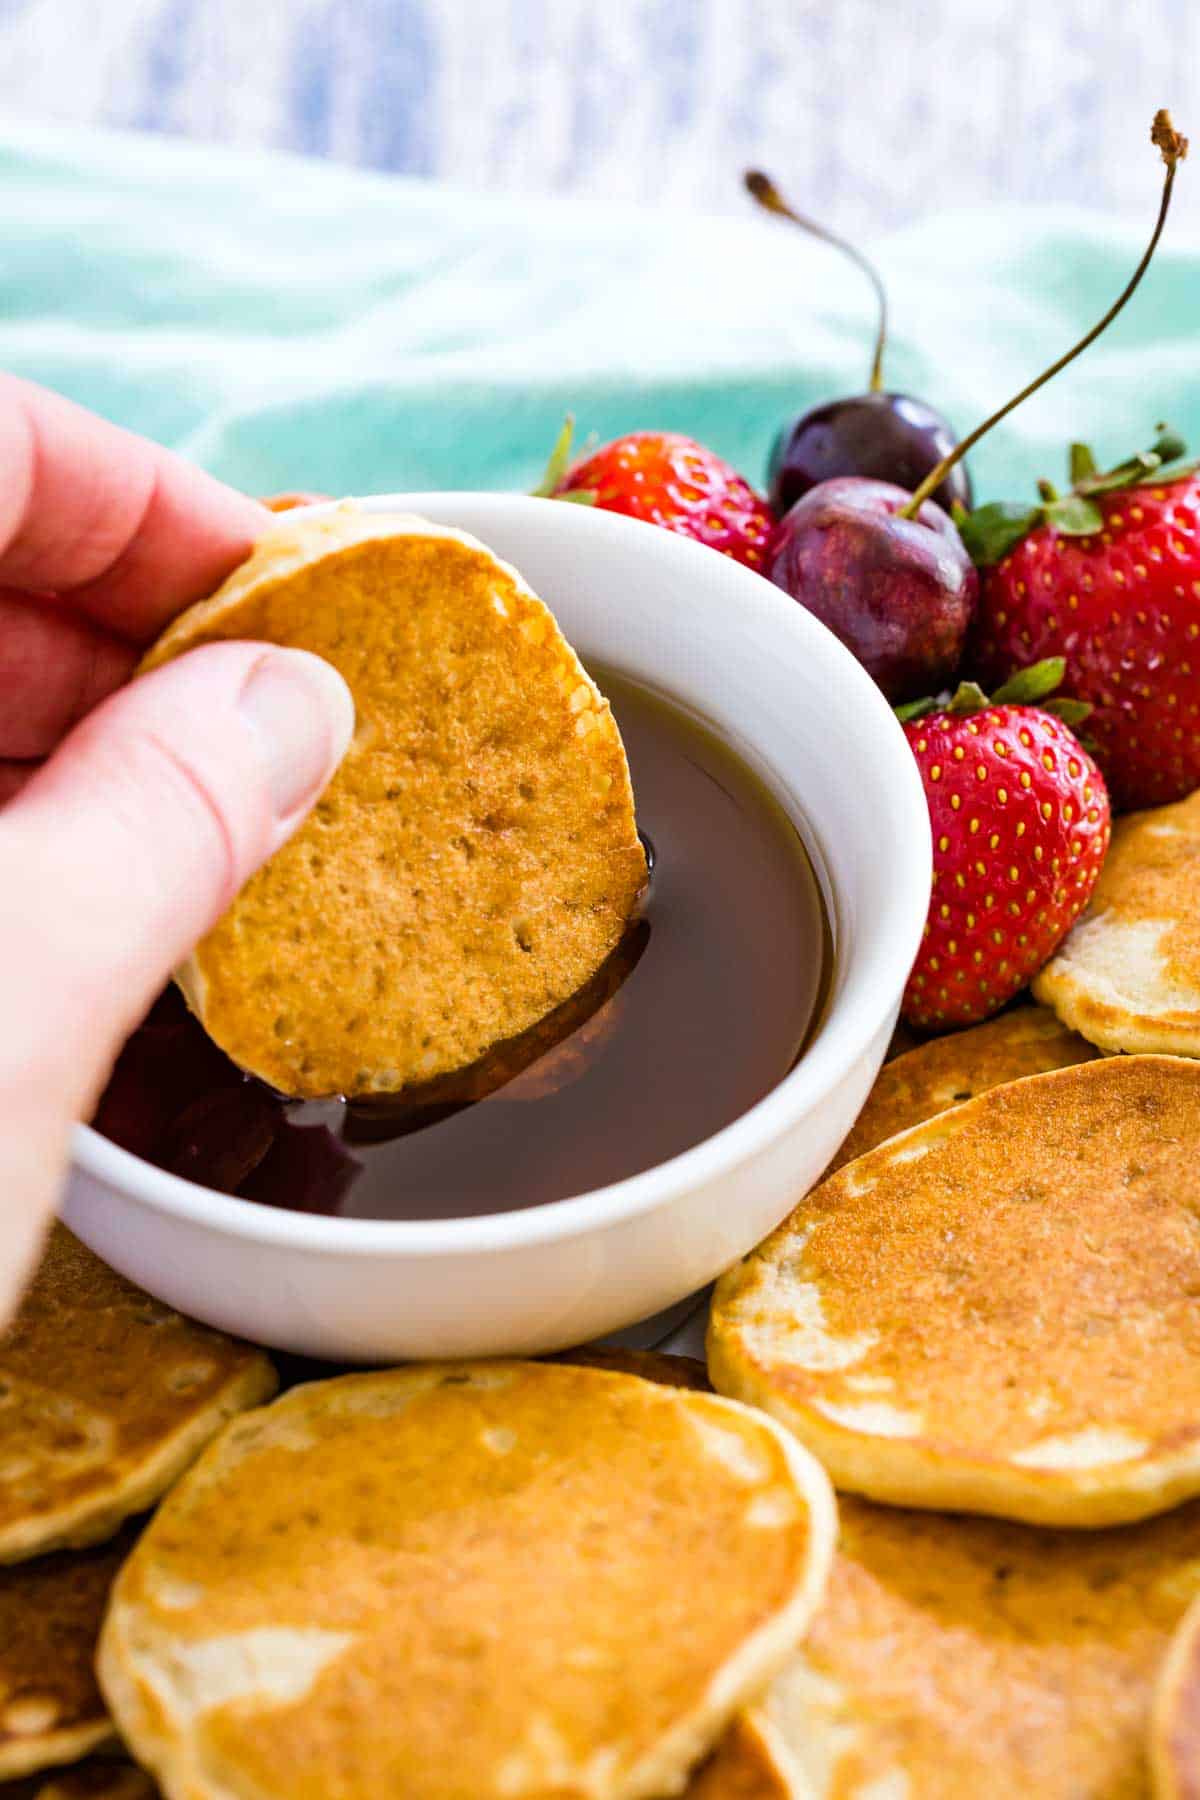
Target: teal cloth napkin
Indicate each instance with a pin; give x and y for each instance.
(298, 324)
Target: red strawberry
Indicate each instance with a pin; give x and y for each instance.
(1109, 579)
(1020, 823)
(672, 481)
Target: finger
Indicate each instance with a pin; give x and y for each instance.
(118, 855)
(130, 531)
(54, 667)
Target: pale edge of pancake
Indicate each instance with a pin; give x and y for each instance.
(910, 1472)
(1173, 1675)
(296, 543)
(91, 1518)
(161, 1741)
(1115, 1023)
(48, 1749)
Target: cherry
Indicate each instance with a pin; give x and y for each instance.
(891, 437)
(900, 592)
(885, 569)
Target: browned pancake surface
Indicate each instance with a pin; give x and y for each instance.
(488, 1556)
(996, 1310)
(930, 1078)
(958, 1656)
(475, 858)
(105, 1396)
(50, 1615)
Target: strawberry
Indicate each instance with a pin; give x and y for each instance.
(1020, 820)
(672, 481)
(1109, 579)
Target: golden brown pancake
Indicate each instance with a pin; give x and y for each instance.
(105, 1397)
(1128, 973)
(957, 1656)
(100, 1778)
(477, 1556)
(1174, 1743)
(932, 1077)
(747, 1763)
(474, 860)
(995, 1311)
(50, 1613)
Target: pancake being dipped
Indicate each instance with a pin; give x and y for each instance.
(475, 859)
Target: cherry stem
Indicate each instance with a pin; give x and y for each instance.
(763, 189)
(1174, 148)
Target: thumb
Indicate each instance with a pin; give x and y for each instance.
(122, 851)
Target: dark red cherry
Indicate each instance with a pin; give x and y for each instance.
(887, 437)
(899, 592)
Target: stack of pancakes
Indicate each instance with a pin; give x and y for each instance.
(593, 1577)
(106, 1396)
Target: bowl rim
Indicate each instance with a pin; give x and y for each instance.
(854, 1016)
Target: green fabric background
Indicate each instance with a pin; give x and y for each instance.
(298, 324)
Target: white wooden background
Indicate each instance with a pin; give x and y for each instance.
(871, 111)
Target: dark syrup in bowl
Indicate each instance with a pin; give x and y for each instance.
(701, 1010)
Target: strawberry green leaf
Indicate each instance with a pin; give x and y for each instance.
(1176, 471)
(990, 532)
(914, 709)
(556, 466)
(1163, 461)
(968, 697)
(578, 496)
(1083, 463)
(1074, 516)
(1071, 712)
(1029, 686)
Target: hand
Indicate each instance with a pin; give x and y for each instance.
(131, 813)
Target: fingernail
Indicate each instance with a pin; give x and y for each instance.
(301, 712)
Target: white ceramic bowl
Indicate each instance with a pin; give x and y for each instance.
(780, 688)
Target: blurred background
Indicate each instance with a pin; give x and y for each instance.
(875, 112)
(386, 244)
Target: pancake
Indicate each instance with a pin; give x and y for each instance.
(957, 1656)
(105, 1397)
(932, 1077)
(50, 1614)
(1127, 975)
(1175, 1716)
(474, 860)
(465, 1579)
(100, 1778)
(994, 1311)
(747, 1763)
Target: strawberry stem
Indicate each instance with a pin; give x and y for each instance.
(1174, 147)
(763, 189)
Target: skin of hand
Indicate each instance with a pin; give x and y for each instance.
(130, 813)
